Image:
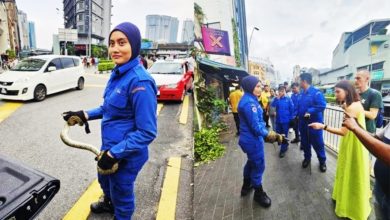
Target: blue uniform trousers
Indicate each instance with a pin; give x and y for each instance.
(282, 128)
(255, 165)
(309, 138)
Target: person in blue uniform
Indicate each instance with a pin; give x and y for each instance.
(295, 97)
(253, 132)
(284, 116)
(311, 106)
(129, 122)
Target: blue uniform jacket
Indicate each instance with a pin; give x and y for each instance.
(252, 126)
(284, 109)
(295, 98)
(128, 113)
(313, 102)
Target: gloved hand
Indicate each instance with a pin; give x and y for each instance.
(106, 164)
(307, 116)
(76, 118)
(275, 137)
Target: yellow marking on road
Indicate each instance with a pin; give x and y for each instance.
(95, 85)
(159, 107)
(184, 110)
(81, 208)
(7, 109)
(167, 206)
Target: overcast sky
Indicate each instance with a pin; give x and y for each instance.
(47, 19)
(305, 32)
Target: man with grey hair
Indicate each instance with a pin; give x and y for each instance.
(371, 99)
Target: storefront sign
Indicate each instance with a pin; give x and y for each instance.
(216, 41)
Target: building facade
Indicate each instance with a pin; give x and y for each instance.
(31, 35)
(4, 33)
(91, 18)
(187, 34)
(257, 70)
(162, 28)
(12, 22)
(240, 19)
(365, 48)
(23, 31)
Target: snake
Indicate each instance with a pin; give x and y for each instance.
(84, 146)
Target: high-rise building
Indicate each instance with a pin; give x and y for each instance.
(4, 33)
(240, 20)
(78, 15)
(162, 28)
(187, 34)
(23, 31)
(11, 11)
(31, 35)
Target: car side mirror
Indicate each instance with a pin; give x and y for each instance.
(51, 69)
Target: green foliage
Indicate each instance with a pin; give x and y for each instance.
(146, 40)
(99, 51)
(330, 99)
(207, 146)
(11, 54)
(236, 44)
(107, 65)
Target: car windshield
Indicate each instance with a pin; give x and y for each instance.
(29, 65)
(166, 68)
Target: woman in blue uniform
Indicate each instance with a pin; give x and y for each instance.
(129, 122)
(252, 135)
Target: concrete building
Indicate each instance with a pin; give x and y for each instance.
(162, 28)
(12, 22)
(77, 15)
(296, 73)
(365, 48)
(23, 30)
(187, 34)
(4, 33)
(218, 14)
(257, 70)
(239, 15)
(31, 35)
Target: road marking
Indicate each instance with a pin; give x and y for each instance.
(159, 107)
(81, 208)
(167, 206)
(95, 85)
(7, 109)
(184, 110)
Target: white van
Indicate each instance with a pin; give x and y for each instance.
(38, 76)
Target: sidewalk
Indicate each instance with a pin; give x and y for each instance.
(294, 192)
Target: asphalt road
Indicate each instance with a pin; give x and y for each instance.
(31, 136)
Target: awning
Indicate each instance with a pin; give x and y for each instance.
(326, 86)
(223, 72)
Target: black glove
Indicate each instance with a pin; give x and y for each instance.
(106, 164)
(76, 118)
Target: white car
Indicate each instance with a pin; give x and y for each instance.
(38, 76)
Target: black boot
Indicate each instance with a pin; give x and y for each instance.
(103, 205)
(323, 167)
(246, 187)
(261, 197)
(305, 163)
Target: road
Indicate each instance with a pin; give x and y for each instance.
(31, 135)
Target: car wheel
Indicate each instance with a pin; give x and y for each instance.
(39, 93)
(80, 84)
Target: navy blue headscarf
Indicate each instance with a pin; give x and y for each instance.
(249, 83)
(133, 35)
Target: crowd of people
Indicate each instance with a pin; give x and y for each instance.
(300, 107)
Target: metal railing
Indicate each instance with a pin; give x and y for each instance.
(333, 117)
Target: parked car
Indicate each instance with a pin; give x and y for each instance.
(38, 76)
(386, 105)
(173, 79)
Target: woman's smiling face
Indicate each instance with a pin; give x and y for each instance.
(119, 48)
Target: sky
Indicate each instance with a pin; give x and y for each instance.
(305, 32)
(47, 19)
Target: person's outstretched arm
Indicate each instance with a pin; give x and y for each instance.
(378, 148)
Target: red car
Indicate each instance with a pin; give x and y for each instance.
(173, 79)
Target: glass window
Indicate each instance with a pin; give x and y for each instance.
(67, 62)
(29, 65)
(80, 17)
(80, 28)
(166, 68)
(76, 62)
(55, 62)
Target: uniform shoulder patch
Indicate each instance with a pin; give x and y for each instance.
(139, 88)
(254, 108)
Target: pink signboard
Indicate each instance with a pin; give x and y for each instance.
(215, 41)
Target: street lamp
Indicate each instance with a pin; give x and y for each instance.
(250, 41)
